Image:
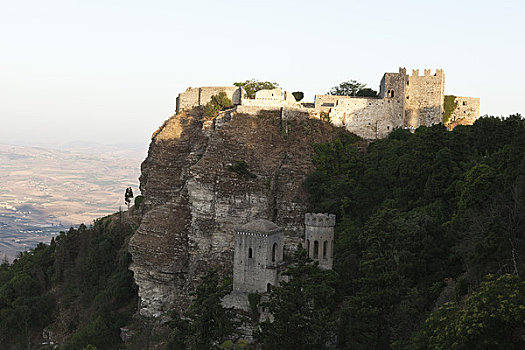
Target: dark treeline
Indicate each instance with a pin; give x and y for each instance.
(424, 219)
(78, 287)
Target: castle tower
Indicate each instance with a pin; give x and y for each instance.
(319, 238)
(393, 85)
(258, 254)
(424, 98)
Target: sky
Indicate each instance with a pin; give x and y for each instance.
(109, 71)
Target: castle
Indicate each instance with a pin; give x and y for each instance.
(258, 251)
(404, 101)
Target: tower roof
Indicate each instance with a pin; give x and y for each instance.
(259, 226)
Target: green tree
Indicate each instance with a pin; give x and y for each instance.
(492, 318)
(253, 85)
(366, 92)
(346, 88)
(206, 323)
(217, 103)
(298, 95)
(302, 308)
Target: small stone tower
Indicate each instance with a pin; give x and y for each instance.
(258, 254)
(319, 238)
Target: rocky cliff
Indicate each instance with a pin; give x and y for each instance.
(201, 178)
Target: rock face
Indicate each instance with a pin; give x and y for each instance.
(204, 177)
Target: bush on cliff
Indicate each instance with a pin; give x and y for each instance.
(217, 103)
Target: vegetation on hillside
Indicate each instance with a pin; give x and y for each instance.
(78, 289)
(302, 308)
(430, 254)
(423, 219)
(449, 107)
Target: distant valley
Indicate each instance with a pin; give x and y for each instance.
(47, 190)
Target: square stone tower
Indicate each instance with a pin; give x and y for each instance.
(258, 254)
(319, 238)
(424, 98)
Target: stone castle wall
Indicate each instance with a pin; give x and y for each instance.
(319, 238)
(370, 118)
(466, 112)
(194, 97)
(253, 268)
(393, 84)
(424, 98)
(404, 101)
(274, 98)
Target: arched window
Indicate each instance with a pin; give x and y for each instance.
(332, 252)
(308, 247)
(316, 250)
(325, 248)
(391, 93)
(274, 251)
(250, 253)
(268, 287)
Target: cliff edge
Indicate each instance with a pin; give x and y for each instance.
(201, 178)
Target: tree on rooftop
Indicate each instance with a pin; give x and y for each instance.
(298, 95)
(253, 85)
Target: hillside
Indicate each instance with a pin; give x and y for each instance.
(430, 245)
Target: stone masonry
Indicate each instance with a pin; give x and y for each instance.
(258, 254)
(319, 238)
(404, 101)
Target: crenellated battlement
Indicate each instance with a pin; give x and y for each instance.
(426, 73)
(404, 101)
(319, 220)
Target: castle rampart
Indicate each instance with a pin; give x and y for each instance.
(194, 97)
(466, 112)
(404, 101)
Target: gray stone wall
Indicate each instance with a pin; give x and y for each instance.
(194, 97)
(424, 98)
(271, 98)
(370, 118)
(319, 238)
(393, 84)
(256, 261)
(467, 110)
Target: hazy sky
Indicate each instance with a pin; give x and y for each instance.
(108, 71)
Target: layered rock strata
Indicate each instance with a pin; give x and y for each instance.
(203, 177)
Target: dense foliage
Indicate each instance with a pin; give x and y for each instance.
(206, 323)
(449, 107)
(78, 287)
(423, 218)
(302, 308)
(252, 86)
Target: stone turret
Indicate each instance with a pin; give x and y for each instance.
(319, 238)
(258, 254)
